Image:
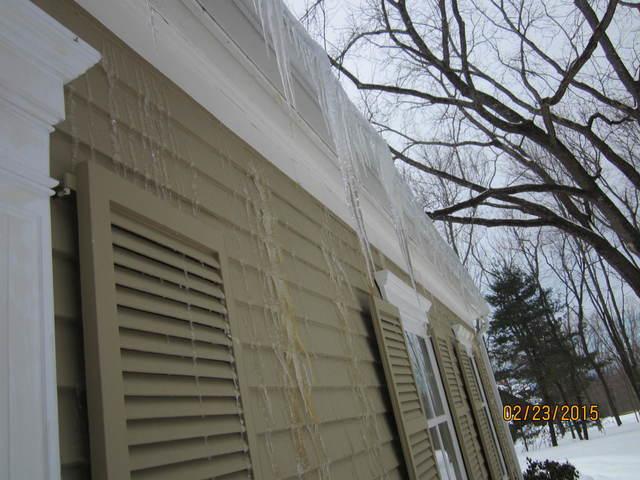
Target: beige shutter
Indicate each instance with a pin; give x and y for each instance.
(492, 455)
(405, 398)
(459, 405)
(502, 429)
(163, 394)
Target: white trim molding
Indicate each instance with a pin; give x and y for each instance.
(37, 57)
(465, 337)
(413, 307)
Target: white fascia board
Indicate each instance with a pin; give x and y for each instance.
(191, 49)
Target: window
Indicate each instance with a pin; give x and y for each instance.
(445, 442)
(413, 309)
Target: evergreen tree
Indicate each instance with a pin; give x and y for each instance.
(524, 337)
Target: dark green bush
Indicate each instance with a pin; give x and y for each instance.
(550, 470)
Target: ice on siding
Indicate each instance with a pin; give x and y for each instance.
(286, 338)
(361, 151)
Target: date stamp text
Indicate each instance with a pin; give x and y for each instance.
(546, 413)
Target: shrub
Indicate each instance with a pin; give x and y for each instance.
(550, 470)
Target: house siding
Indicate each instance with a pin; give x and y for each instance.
(126, 116)
(234, 187)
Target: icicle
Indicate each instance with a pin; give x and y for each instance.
(361, 151)
(108, 61)
(273, 20)
(91, 129)
(152, 23)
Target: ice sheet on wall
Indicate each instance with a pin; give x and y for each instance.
(361, 151)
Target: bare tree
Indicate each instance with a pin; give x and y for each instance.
(574, 360)
(615, 320)
(546, 93)
(570, 266)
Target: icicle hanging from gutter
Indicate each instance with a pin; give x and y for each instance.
(361, 151)
(273, 17)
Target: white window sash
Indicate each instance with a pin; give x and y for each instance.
(446, 416)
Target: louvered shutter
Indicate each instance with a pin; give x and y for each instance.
(482, 420)
(459, 405)
(502, 428)
(163, 392)
(405, 397)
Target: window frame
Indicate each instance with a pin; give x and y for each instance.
(446, 417)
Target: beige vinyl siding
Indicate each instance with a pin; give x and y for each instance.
(349, 430)
(123, 112)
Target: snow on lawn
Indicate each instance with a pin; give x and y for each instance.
(610, 455)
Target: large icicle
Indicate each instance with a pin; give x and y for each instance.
(361, 151)
(272, 17)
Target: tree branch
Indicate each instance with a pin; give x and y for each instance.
(632, 86)
(398, 90)
(496, 222)
(579, 62)
(498, 192)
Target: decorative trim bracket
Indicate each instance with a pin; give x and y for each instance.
(413, 307)
(465, 337)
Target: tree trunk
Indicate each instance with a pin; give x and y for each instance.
(607, 393)
(601, 378)
(524, 439)
(552, 434)
(624, 356)
(631, 375)
(546, 398)
(577, 429)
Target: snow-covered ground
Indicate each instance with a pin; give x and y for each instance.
(610, 455)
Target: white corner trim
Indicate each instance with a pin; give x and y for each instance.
(465, 337)
(37, 56)
(413, 307)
